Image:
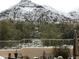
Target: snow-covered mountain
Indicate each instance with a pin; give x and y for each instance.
(74, 14)
(27, 10)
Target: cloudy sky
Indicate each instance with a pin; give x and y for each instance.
(60, 5)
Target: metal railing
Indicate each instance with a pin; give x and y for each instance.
(35, 43)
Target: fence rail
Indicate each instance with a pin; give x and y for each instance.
(35, 43)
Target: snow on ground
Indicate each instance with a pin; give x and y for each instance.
(2, 57)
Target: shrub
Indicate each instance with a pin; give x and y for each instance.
(62, 51)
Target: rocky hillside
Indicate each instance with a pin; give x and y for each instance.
(27, 10)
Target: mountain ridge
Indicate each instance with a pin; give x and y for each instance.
(26, 9)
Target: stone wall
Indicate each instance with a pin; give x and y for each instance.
(30, 52)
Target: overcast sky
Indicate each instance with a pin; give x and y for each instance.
(60, 5)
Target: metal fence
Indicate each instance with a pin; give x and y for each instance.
(35, 43)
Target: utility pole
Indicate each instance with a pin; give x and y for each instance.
(75, 43)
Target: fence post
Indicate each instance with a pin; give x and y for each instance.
(9, 56)
(16, 54)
